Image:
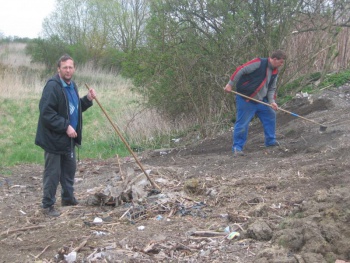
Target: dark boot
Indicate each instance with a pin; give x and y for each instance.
(51, 211)
(69, 202)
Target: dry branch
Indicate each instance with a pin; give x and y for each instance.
(7, 232)
(82, 244)
(42, 252)
(208, 234)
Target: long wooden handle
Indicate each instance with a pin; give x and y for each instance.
(125, 142)
(269, 105)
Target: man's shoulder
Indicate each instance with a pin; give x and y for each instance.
(254, 60)
(264, 59)
(252, 64)
(53, 81)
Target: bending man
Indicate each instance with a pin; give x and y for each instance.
(256, 79)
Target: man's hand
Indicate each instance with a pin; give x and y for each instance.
(71, 132)
(91, 95)
(274, 105)
(228, 88)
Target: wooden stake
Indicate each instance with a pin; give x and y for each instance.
(120, 169)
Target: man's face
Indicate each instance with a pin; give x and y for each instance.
(276, 63)
(66, 70)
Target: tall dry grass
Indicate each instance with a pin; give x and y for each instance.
(323, 48)
(19, 77)
(21, 84)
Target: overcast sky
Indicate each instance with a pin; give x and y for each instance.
(23, 18)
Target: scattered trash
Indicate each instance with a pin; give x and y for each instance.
(204, 253)
(71, 257)
(232, 235)
(227, 229)
(97, 256)
(162, 180)
(99, 233)
(135, 212)
(194, 210)
(98, 220)
(302, 95)
(274, 206)
(140, 228)
(159, 217)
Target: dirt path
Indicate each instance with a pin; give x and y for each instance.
(290, 204)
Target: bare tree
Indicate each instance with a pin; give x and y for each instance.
(314, 43)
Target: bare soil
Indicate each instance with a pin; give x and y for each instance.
(287, 204)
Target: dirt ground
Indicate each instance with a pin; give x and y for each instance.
(289, 204)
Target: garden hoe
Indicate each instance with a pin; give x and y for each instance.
(322, 127)
(126, 144)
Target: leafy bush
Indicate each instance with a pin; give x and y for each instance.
(336, 79)
(47, 51)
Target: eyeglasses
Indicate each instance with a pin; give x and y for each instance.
(67, 67)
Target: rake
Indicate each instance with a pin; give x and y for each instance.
(322, 127)
(125, 143)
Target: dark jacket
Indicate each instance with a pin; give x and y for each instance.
(250, 84)
(54, 118)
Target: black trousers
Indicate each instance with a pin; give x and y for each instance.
(59, 168)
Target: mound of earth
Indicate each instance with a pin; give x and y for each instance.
(287, 204)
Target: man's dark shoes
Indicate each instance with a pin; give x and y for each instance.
(274, 148)
(72, 202)
(276, 144)
(51, 211)
(237, 152)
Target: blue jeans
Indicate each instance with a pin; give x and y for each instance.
(59, 168)
(245, 111)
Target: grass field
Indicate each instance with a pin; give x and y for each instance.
(20, 91)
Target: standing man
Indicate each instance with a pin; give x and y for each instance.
(256, 79)
(59, 130)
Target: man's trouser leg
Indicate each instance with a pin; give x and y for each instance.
(51, 178)
(68, 169)
(267, 117)
(245, 111)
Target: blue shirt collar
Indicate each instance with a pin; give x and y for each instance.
(65, 85)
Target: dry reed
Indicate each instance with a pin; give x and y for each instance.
(21, 80)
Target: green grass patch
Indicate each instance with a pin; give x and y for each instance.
(300, 84)
(308, 83)
(336, 79)
(18, 119)
(19, 123)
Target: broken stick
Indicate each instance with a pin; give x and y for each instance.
(7, 232)
(82, 244)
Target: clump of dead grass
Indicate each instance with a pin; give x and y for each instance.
(22, 83)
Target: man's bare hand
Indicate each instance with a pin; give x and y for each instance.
(228, 88)
(91, 95)
(274, 105)
(71, 132)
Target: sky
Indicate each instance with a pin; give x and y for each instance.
(23, 18)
